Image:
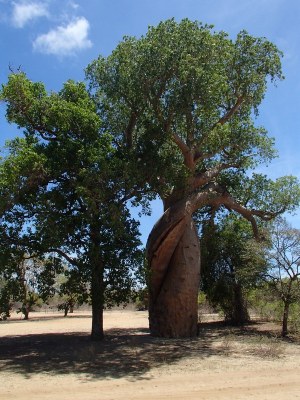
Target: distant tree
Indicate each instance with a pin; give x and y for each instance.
(22, 276)
(27, 273)
(72, 290)
(232, 263)
(5, 299)
(284, 266)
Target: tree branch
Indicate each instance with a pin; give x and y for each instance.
(230, 112)
(207, 176)
(188, 154)
(129, 129)
(63, 254)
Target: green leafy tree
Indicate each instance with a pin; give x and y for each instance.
(284, 266)
(5, 299)
(22, 276)
(232, 264)
(72, 290)
(180, 102)
(27, 277)
(67, 184)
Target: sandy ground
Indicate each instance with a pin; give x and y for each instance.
(51, 357)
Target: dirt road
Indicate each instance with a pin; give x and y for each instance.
(51, 357)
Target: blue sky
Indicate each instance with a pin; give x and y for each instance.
(54, 40)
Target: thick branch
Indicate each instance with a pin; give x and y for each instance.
(188, 154)
(129, 129)
(230, 112)
(216, 196)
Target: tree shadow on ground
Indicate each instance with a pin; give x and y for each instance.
(43, 318)
(127, 353)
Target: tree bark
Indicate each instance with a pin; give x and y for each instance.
(174, 260)
(66, 310)
(97, 287)
(97, 304)
(25, 311)
(173, 255)
(240, 313)
(285, 318)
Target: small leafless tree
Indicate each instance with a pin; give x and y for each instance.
(284, 272)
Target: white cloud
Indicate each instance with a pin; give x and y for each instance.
(65, 40)
(24, 12)
(73, 5)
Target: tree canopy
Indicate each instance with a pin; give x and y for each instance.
(65, 188)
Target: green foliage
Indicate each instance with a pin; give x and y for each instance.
(69, 191)
(264, 303)
(264, 194)
(179, 79)
(26, 279)
(278, 299)
(31, 300)
(294, 318)
(232, 262)
(5, 299)
(168, 114)
(142, 299)
(201, 298)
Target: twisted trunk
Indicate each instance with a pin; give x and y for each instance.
(174, 260)
(173, 255)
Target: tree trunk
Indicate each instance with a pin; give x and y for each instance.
(285, 318)
(174, 260)
(66, 310)
(97, 287)
(240, 313)
(26, 311)
(97, 307)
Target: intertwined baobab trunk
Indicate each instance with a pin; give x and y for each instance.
(174, 260)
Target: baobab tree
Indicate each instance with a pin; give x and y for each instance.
(181, 103)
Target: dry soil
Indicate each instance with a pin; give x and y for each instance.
(52, 357)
